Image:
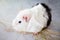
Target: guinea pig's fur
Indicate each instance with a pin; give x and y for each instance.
(33, 19)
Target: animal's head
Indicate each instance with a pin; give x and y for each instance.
(22, 19)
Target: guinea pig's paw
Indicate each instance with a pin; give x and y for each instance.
(35, 33)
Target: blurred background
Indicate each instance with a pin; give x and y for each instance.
(10, 8)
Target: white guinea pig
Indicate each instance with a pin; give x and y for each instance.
(31, 20)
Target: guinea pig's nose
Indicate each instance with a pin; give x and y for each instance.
(14, 23)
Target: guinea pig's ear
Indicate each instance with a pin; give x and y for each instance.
(26, 18)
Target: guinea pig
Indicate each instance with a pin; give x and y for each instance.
(32, 20)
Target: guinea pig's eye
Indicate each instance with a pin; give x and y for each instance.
(19, 22)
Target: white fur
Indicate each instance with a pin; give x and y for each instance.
(37, 22)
